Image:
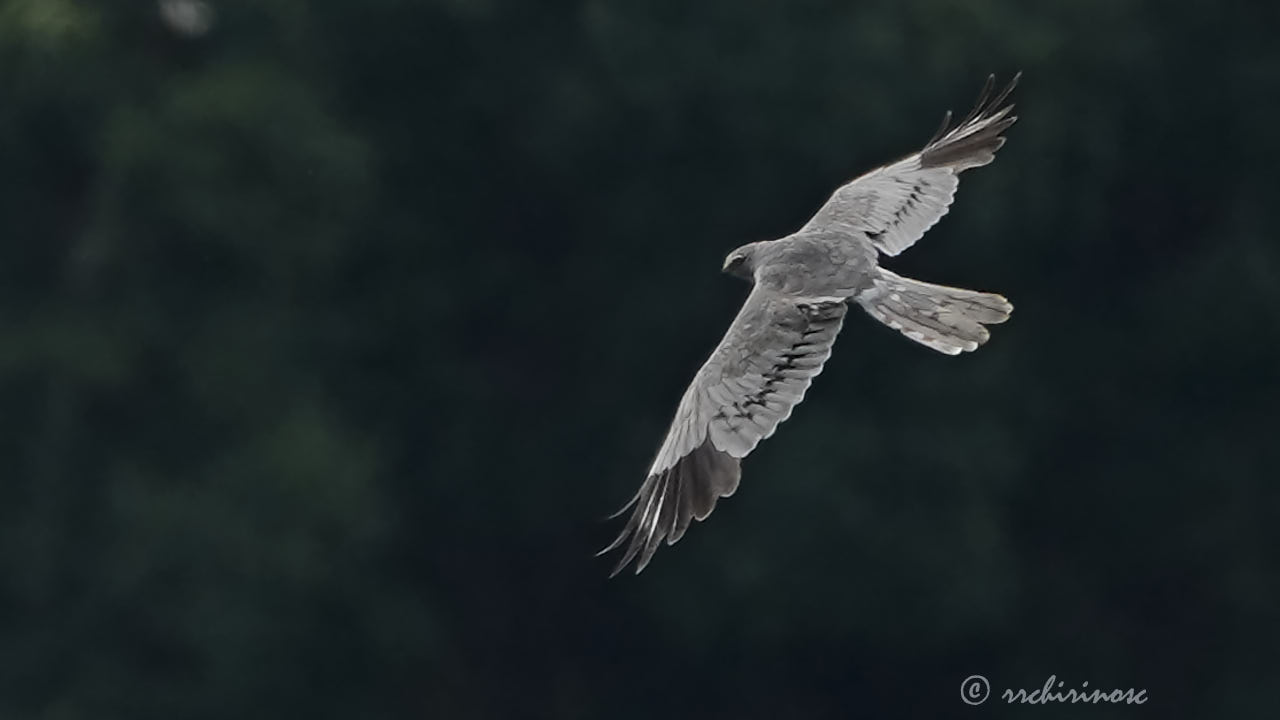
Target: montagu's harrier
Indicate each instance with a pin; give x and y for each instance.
(802, 285)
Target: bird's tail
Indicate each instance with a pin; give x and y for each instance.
(946, 319)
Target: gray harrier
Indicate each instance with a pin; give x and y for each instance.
(802, 285)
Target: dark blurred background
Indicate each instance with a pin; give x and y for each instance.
(331, 332)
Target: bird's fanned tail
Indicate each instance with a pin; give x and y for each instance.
(949, 320)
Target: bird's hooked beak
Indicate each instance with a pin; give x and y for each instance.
(736, 265)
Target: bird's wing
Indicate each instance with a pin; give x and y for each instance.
(894, 205)
(752, 381)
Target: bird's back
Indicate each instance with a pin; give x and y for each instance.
(817, 263)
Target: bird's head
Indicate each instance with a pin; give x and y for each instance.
(741, 262)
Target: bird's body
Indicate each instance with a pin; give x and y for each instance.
(782, 336)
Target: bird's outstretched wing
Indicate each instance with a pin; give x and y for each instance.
(895, 204)
(752, 381)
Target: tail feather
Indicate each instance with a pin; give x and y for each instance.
(949, 320)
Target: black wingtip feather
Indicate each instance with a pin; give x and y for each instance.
(981, 102)
(669, 501)
(975, 139)
(942, 129)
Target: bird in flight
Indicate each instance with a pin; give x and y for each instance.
(802, 285)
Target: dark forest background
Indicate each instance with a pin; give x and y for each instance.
(331, 332)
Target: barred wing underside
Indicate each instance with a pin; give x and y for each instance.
(752, 381)
(896, 204)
